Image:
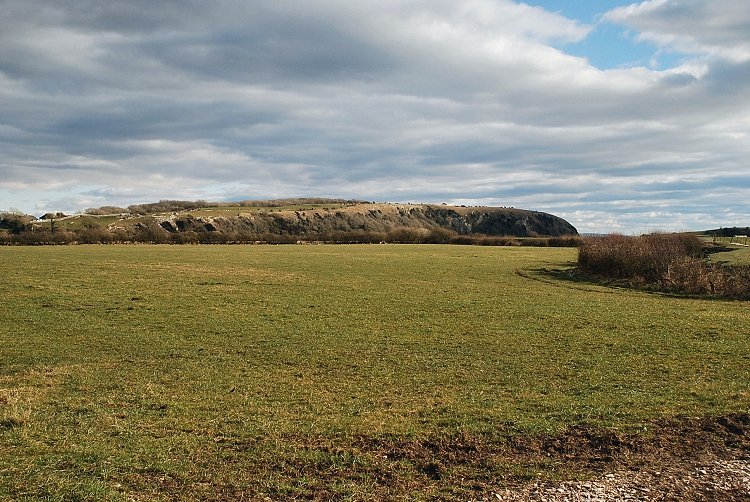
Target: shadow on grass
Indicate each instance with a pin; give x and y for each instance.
(571, 277)
(9, 423)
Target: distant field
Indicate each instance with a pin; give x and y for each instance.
(740, 255)
(221, 372)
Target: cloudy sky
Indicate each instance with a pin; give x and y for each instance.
(618, 116)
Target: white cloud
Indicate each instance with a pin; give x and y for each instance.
(691, 26)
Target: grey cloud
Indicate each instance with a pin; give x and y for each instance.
(690, 25)
(426, 100)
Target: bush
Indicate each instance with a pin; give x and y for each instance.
(100, 211)
(150, 233)
(405, 235)
(44, 237)
(672, 262)
(695, 276)
(645, 259)
(14, 223)
(94, 235)
(499, 241)
(569, 241)
(439, 236)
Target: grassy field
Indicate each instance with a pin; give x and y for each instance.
(738, 256)
(238, 372)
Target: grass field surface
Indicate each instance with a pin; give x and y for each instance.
(740, 255)
(238, 372)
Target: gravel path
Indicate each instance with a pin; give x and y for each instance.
(720, 480)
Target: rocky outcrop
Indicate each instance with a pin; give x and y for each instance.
(377, 218)
(501, 221)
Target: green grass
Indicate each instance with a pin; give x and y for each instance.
(189, 372)
(738, 256)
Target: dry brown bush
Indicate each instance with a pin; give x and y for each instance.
(696, 276)
(672, 262)
(644, 259)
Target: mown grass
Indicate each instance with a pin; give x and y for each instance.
(210, 372)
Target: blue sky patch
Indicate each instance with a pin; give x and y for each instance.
(608, 46)
(586, 11)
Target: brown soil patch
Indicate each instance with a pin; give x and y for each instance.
(677, 459)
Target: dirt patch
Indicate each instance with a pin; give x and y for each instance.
(677, 459)
(716, 480)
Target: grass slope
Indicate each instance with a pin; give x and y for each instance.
(163, 373)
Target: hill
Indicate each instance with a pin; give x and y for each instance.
(333, 220)
(365, 217)
(728, 231)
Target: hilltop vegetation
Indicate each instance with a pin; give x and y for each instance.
(728, 231)
(170, 206)
(291, 220)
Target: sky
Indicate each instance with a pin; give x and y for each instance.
(617, 116)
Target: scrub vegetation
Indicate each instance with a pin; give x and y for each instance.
(329, 372)
(669, 262)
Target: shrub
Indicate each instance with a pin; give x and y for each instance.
(568, 241)
(673, 262)
(14, 223)
(487, 240)
(94, 235)
(45, 237)
(186, 237)
(644, 259)
(463, 239)
(405, 235)
(695, 276)
(150, 233)
(535, 242)
(439, 236)
(100, 211)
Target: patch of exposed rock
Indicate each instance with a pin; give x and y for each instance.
(377, 218)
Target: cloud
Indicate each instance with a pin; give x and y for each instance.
(120, 102)
(691, 26)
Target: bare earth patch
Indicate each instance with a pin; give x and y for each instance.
(685, 459)
(676, 459)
